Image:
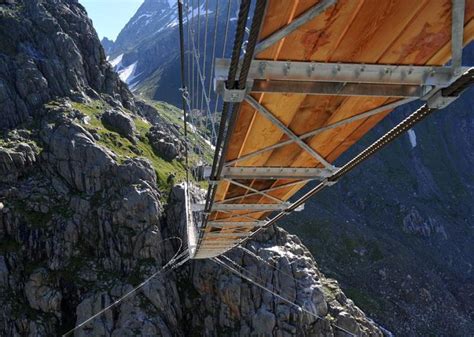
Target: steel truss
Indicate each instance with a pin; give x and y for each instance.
(405, 82)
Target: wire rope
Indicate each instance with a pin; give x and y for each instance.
(204, 58)
(216, 16)
(319, 317)
(172, 264)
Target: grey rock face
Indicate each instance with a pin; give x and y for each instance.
(120, 122)
(72, 153)
(235, 307)
(40, 295)
(15, 161)
(54, 52)
(413, 222)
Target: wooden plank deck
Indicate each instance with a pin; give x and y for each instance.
(352, 31)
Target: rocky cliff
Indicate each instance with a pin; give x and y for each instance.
(87, 203)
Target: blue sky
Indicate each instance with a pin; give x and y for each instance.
(110, 16)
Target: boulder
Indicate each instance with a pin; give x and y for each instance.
(74, 155)
(15, 161)
(165, 144)
(40, 295)
(121, 123)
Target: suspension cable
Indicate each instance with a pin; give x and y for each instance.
(261, 286)
(183, 87)
(201, 79)
(172, 264)
(238, 40)
(224, 48)
(204, 59)
(249, 56)
(216, 16)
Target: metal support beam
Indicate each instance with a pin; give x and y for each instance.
(226, 235)
(294, 25)
(237, 216)
(217, 244)
(457, 34)
(261, 109)
(305, 173)
(254, 190)
(339, 88)
(440, 76)
(254, 207)
(217, 223)
(267, 190)
(357, 117)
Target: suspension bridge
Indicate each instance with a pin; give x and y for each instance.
(297, 83)
(291, 85)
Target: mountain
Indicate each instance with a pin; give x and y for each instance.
(397, 232)
(146, 52)
(107, 44)
(90, 207)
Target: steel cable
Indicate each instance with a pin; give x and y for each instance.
(238, 40)
(249, 55)
(205, 53)
(183, 87)
(172, 264)
(274, 293)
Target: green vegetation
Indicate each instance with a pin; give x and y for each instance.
(173, 115)
(124, 149)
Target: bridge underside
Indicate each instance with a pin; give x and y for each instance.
(290, 129)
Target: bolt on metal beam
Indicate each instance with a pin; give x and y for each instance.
(217, 223)
(307, 173)
(340, 72)
(339, 88)
(223, 235)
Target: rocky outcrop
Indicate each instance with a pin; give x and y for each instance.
(120, 122)
(165, 144)
(107, 44)
(14, 162)
(414, 223)
(73, 154)
(310, 304)
(54, 52)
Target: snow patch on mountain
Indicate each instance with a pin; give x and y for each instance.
(117, 62)
(127, 74)
(146, 15)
